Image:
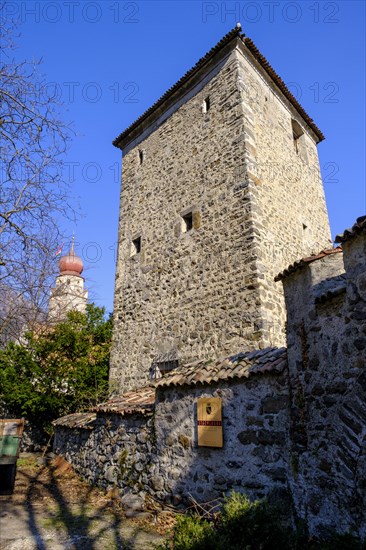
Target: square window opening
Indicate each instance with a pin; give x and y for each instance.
(187, 222)
(136, 246)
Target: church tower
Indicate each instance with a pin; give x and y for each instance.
(221, 191)
(69, 293)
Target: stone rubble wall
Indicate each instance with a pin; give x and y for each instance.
(209, 292)
(285, 188)
(186, 292)
(327, 360)
(116, 452)
(254, 456)
(159, 455)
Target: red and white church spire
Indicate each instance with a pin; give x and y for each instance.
(69, 293)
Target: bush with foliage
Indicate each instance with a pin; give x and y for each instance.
(246, 525)
(59, 370)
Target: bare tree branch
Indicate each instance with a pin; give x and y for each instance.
(34, 195)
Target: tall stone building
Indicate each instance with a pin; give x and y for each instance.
(69, 293)
(221, 190)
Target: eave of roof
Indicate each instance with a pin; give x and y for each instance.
(83, 421)
(239, 366)
(358, 227)
(306, 261)
(140, 401)
(282, 86)
(235, 33)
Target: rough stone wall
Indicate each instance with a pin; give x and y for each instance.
(209, 292)
(193, 294)
(255, 426)
(160, 455)
(326, 353)
(116, 452)
(286, 191)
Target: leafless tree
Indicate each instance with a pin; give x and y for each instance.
(34, 194)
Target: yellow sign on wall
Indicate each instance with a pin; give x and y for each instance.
(209, 422)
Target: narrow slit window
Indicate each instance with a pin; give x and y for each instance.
(141, 156)
(297, 132)
(187, 222)
(206, 105)
(305, 235)
(136, 246)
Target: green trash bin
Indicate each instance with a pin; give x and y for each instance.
(9, 449)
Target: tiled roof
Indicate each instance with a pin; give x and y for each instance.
(76, 420)
(282, 86)
(234, 33)
(305, 261)
(357, 228)
(241, 365)
(140, 401)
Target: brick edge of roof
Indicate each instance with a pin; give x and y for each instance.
(236, 32)
(299, 264)
(277, 366)
(81, 421)
(143, 410)
(358, 227)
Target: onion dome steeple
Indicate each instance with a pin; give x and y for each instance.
(71, 264)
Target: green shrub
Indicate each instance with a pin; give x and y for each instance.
(246, 525)
(250, 525)
(60, 371)
(242, 525)
(192, 533)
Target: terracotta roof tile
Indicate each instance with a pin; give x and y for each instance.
(140, 401)
(282, 86)
(241, 365)
(83, 421)
(236, 32)
(305, 261)
(356, 229)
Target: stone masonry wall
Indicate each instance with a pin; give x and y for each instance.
(286, 192)
(114, 453)
(159, 455)
(210, 292)
(255, 426)
(190, 294)
(326, 353)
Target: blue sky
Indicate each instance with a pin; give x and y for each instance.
(110, 60)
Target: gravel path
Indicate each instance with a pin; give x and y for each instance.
(52, 509)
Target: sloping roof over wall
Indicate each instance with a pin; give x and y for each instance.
(140, 401)
(356, 229)
(235, 33)
(241, 365)
(305, 261)
(83, 421)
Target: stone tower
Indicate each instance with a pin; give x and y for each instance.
(221, 191)
(69, 293)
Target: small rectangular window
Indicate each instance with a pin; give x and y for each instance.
(187, 222)
(206, 105)
(141, 156)
(136, 246)
(158, 369)
(297, 132)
